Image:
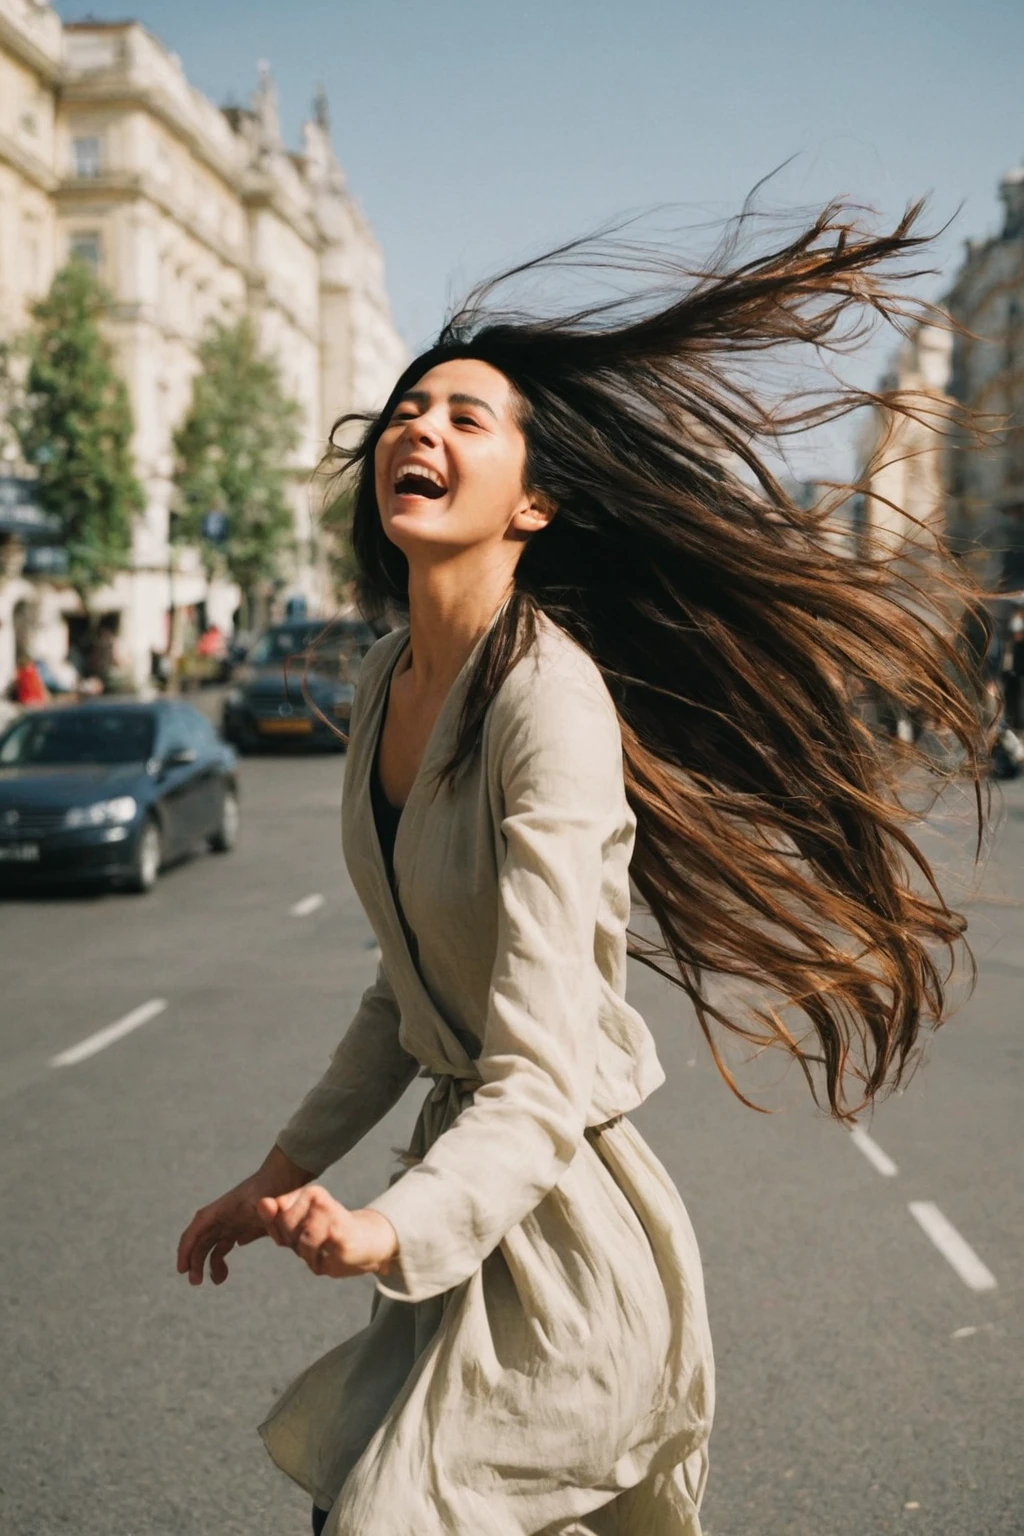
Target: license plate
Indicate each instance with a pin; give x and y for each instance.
(285, 727)
(19, 853)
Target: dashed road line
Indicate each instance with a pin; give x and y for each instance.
(879, 1160)
(107, 1036)
(307, 906)
(954, 1249)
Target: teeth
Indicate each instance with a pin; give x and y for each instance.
(422, 471)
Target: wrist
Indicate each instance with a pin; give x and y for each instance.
(381, 1240)
(278, 1175)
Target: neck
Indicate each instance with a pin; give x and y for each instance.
(451, 604)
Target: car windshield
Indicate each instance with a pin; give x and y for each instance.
(104, 737)
(341, 648)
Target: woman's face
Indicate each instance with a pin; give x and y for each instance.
(449, 465)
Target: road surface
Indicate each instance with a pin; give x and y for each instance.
(865, 1293)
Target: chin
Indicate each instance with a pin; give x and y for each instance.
(416, 532)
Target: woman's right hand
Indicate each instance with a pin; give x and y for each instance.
(232, 1221)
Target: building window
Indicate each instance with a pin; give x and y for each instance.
(86, 156)
(86, 247)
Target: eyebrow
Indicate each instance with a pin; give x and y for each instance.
(421, 397)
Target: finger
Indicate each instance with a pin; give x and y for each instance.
(188, 1238)
(287, 1200)
(197, 1258)
(218, 1268)
(266, 1208)
(314, 1234)
(288, 1218)
(270, 1206)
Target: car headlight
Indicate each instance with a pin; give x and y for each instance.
(105, 813)
(235, 697)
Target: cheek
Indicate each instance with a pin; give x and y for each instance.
(492, 479)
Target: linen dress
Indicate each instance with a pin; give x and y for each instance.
(538, 1358)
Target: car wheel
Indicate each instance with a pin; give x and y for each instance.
(147, 860)
(226, 835)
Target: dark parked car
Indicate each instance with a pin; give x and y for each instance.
(296, 684)
(111, 792)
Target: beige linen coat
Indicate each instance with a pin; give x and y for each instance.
(538, 1360)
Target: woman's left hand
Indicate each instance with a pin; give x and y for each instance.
(329, 1238)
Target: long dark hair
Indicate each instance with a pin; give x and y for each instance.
(771, 844)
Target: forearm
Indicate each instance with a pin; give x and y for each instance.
(368, 1073)
(278, 1175)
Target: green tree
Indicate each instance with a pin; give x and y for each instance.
(232, 452)
(73, 422)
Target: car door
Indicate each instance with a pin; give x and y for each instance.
(180, 794)
(208, 786)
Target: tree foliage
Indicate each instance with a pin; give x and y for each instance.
(232, 451)
(74, 425)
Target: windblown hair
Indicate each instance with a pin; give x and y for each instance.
(772, 843)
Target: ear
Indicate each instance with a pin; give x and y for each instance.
(534, 513)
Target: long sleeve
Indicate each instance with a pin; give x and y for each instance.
(367, 1076)
(558, 755)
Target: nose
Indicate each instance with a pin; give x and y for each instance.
(422, 430)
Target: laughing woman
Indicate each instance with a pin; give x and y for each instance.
(628, 654)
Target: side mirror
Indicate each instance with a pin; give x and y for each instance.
(180, 757)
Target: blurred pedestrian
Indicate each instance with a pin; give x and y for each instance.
(29, 688)
(211, 644)
(623, 657)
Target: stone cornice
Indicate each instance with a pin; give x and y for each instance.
(259, 191)
(131, 186)
(103, 90)
(18, 42)
(30, 166)
(252, 187)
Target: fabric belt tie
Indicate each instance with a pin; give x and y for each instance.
(452, 1090)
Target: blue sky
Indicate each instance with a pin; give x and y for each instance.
(474, 133)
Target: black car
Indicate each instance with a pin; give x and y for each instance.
(296, 685)
(111, 792)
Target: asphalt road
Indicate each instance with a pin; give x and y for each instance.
(864, 1386)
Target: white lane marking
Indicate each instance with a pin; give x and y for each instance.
(879, 1160)
(952, 1246)
(307, 906)
(104, 1037)
(972, 1329)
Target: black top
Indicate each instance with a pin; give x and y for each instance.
(386, 817)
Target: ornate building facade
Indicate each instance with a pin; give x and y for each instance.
(966, 480)
(188, 213)
(904, 455)
(986, 482)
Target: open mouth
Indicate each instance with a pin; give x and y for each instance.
(420, 482)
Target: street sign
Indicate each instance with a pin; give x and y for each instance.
(45, 560)
(20, 514)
